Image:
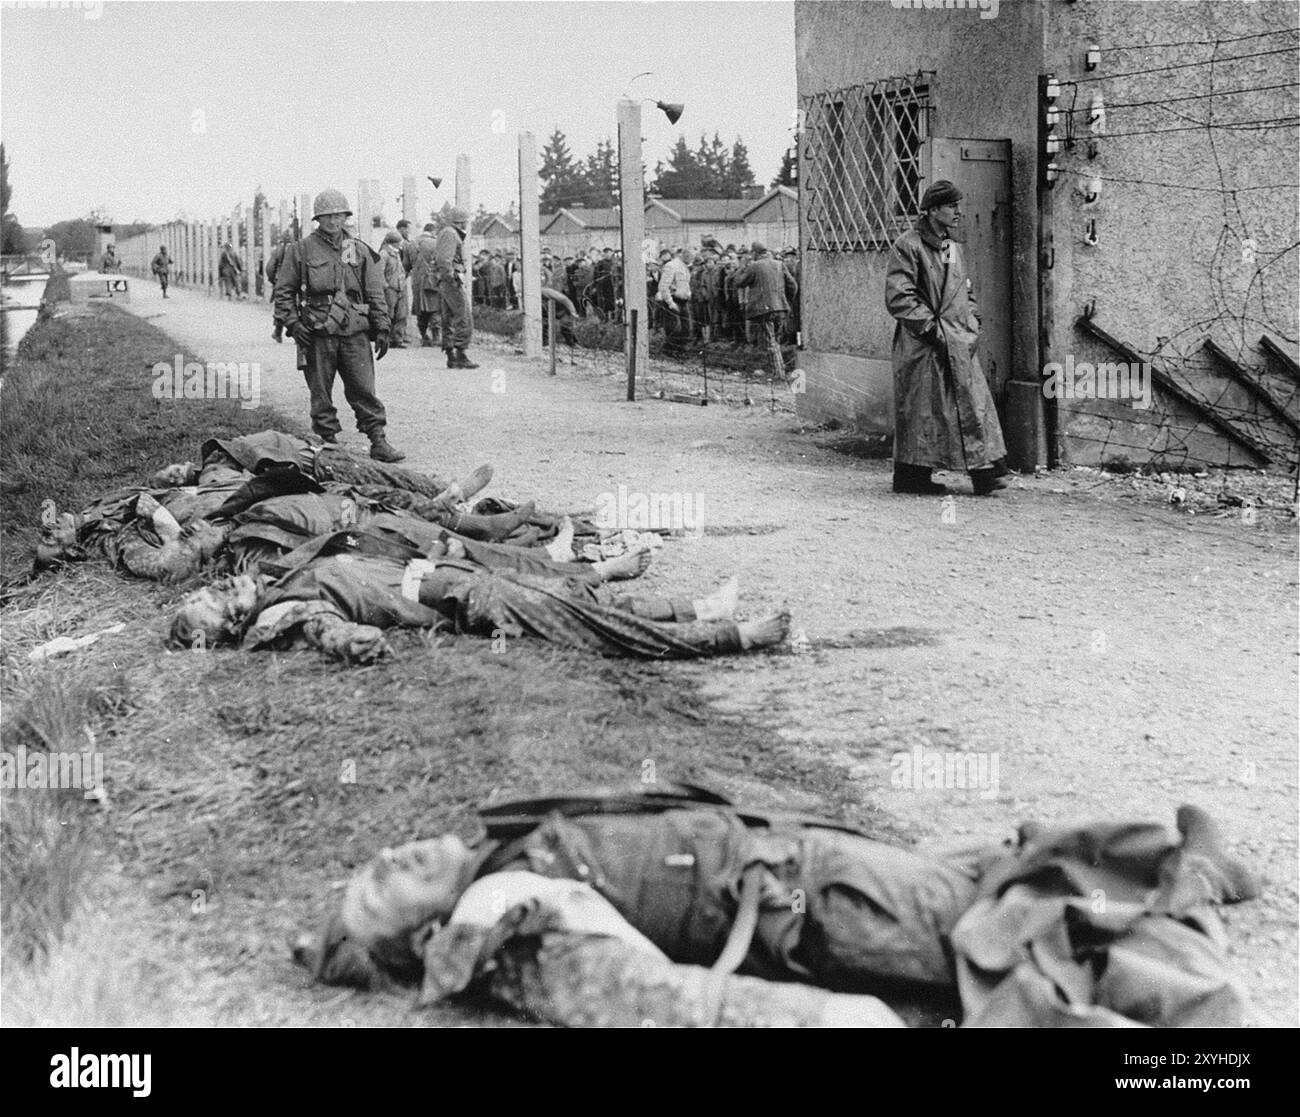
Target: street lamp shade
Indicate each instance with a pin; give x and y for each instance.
(671, 109)
(436, 181)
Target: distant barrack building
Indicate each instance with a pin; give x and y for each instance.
(1130, 179)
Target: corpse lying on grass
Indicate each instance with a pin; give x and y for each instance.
(1106, 925)
(168, 532)
(339, 592)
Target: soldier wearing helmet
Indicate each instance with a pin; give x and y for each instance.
(329, 295)
(448, 268)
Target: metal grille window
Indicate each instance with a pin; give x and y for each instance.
(863, 157)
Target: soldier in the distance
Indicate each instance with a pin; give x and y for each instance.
(448, 270)
(329, 295)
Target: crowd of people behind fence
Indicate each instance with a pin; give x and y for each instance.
(691, 295)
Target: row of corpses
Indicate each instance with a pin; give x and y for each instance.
(309, 544)
(664, 907)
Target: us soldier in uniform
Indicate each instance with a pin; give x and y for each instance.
(448, 267)
(270, 268)
(329, 295)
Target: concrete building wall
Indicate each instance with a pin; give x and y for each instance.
(672, 233)
(571, 241)
(1173, 257)
(775, 223)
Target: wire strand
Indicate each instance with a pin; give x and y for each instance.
(1265, 124)
(1206, 42)
(1188, 65)
(1193, 96)
(1185, 186)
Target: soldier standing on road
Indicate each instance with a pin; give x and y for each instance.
(329, 294)
(230, 271)
(162, 268)
(390, 257)
(448, 272)
(271, 267)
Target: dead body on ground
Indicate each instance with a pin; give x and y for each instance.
(670, 891)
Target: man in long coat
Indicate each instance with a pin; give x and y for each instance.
(944, 416)
(424, 288)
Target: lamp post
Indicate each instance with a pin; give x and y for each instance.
(631, 189)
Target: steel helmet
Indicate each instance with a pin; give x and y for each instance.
(330, 201)
(458, 216)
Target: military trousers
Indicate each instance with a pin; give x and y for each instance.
(398, 312)
(457, 326)
(350, 357)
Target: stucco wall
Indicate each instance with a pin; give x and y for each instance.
(1168, 262)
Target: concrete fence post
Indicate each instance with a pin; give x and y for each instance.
(632, 200)
(267, 246)
(411, 201)
(214, 234)
(250, 256)
(530, 255)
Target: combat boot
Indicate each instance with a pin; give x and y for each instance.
(382, 450)
(452, 360)
(463, 361)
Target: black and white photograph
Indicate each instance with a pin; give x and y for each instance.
(612, 515)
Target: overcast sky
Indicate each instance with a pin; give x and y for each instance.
(155, 110)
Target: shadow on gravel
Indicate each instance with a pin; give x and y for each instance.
(899, 637)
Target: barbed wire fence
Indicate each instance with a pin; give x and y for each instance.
(714, 361)
(1213, 364)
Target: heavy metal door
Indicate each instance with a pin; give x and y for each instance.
(981, 169)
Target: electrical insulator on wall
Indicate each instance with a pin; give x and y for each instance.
(1053, 145)
(1097, 115)
(1090, 234)
(1094, 57)
(1053, 116)
(1052, 173)
(1052, 90)
(1092, 191)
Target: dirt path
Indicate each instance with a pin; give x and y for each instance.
(1111, 659)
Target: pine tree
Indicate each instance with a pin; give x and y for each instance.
(740, 175)
(719, 164)
(683, 177)
(601, 175)
(562, 179)
(788, 175)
